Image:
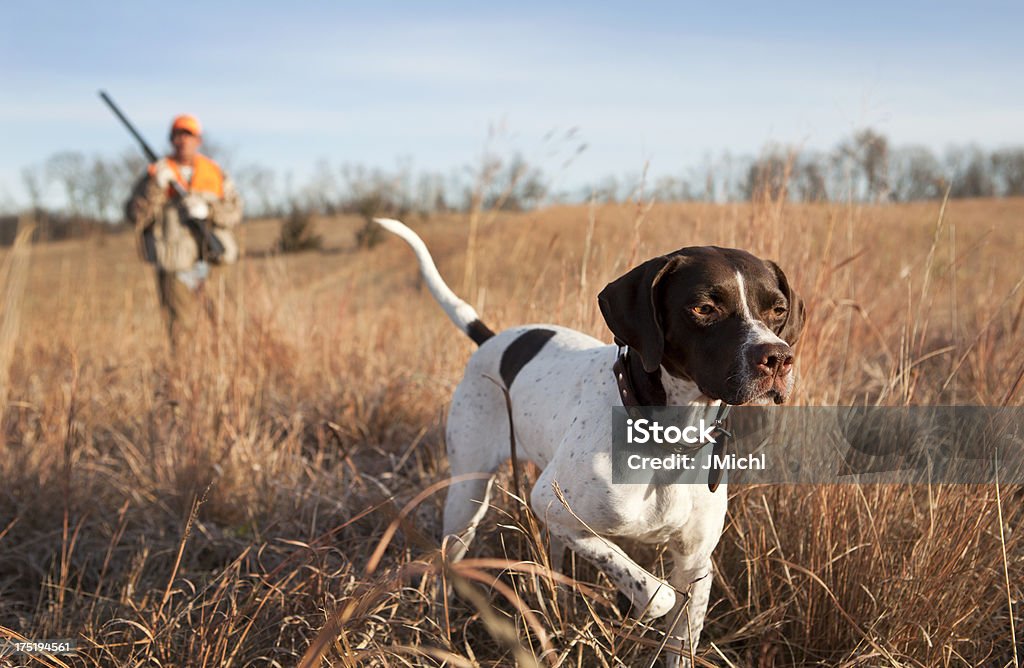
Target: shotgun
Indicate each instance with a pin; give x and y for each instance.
(210, 247)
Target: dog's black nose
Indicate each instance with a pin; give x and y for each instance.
(772, 359)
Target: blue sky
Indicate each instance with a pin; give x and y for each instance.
(375, 83)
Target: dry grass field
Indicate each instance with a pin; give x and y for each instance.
(264, 497)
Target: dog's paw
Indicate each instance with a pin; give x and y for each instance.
(661, 603)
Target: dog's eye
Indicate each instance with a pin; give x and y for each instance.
(779, 311)
(704, 309)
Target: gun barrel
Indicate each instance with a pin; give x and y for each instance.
(153, 157)
(150, 153)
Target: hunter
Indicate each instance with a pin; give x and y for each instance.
(185, 227)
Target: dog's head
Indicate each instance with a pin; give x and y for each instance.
(718, 317)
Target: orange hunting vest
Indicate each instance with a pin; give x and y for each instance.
(206, 176)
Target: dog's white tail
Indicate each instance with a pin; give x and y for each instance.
(461, 313)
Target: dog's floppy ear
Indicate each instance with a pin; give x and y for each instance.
(793, 325)
(629, 307)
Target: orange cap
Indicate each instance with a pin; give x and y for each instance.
(188, 123)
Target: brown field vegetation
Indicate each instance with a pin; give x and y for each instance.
(224, 510)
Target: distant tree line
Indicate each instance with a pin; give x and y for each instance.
(865, 167)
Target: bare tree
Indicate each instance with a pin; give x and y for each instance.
(863, 163)
(258, 188)
(874, 155)
(710, 191)
(672, 189)
(768, 177)
(516, 186)
(100, 186)
(916, 174)
(34, 180)
(431, 194)
(809, 179)
(321, 192)
(68, 169)
(373, 191)
(1008, 165)
(970, 173)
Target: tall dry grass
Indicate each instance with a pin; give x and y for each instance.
(277, 490)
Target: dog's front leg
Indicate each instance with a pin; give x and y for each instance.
(691, 575)
(649, 594)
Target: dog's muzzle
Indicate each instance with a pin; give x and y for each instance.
(764, 373)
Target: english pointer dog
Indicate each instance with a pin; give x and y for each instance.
(701, 327)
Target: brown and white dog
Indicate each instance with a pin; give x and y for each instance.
(702, 326)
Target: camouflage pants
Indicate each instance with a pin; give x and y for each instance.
(182, 306)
